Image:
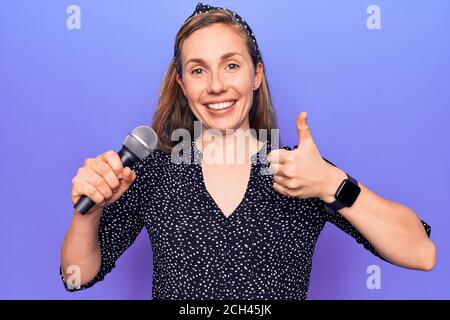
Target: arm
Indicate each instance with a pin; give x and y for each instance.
(96, 255)
(393, 229)
(96, 240)
(80, 247)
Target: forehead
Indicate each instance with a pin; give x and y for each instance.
(212, 41)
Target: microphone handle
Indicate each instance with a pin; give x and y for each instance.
(84, 204)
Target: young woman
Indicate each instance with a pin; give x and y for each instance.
(227, 230)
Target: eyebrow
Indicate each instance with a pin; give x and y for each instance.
(223, 57)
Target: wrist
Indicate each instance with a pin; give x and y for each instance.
(87, 221)
(334, 180)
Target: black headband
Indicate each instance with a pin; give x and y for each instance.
(202, 8)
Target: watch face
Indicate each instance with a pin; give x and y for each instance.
(347, 193)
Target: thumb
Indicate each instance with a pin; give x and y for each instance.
(128, 177)
(304, 134)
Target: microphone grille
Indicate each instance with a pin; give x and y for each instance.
(141, 141)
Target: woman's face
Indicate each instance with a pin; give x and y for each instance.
(219, 77)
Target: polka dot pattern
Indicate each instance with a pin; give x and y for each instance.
(263, 250)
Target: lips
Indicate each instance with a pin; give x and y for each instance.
(221, 108)
(220, 105)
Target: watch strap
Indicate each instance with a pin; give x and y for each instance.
(337, 205)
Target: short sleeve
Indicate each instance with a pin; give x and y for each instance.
(339, 221)
(120, 224)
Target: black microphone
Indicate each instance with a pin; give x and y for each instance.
(138, 145)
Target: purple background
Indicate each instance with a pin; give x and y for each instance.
(378, 104)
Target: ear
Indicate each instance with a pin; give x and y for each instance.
(180, 82)
(258, 75)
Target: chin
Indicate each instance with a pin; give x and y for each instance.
(222, 127)
(223, 124)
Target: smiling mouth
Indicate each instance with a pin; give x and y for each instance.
(221, 105)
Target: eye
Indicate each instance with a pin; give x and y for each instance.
(233, 64)
(196, 73)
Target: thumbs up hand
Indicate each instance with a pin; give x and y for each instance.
(302, 172)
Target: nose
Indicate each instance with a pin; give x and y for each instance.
(216, 83)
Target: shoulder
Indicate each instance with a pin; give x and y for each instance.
(272, 147)
(151, 165)
(290, 147)
(296, 146)
(159, 165)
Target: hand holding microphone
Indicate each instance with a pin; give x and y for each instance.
(104, 179)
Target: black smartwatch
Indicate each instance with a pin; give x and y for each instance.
(346, 194)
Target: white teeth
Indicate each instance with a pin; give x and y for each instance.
(221, 105)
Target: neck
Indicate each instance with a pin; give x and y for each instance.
(233, 147)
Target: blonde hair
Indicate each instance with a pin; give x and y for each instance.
(173, 111)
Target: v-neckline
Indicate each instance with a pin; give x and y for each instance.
(251, 180)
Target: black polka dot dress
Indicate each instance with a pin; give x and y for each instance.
(263, 250)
